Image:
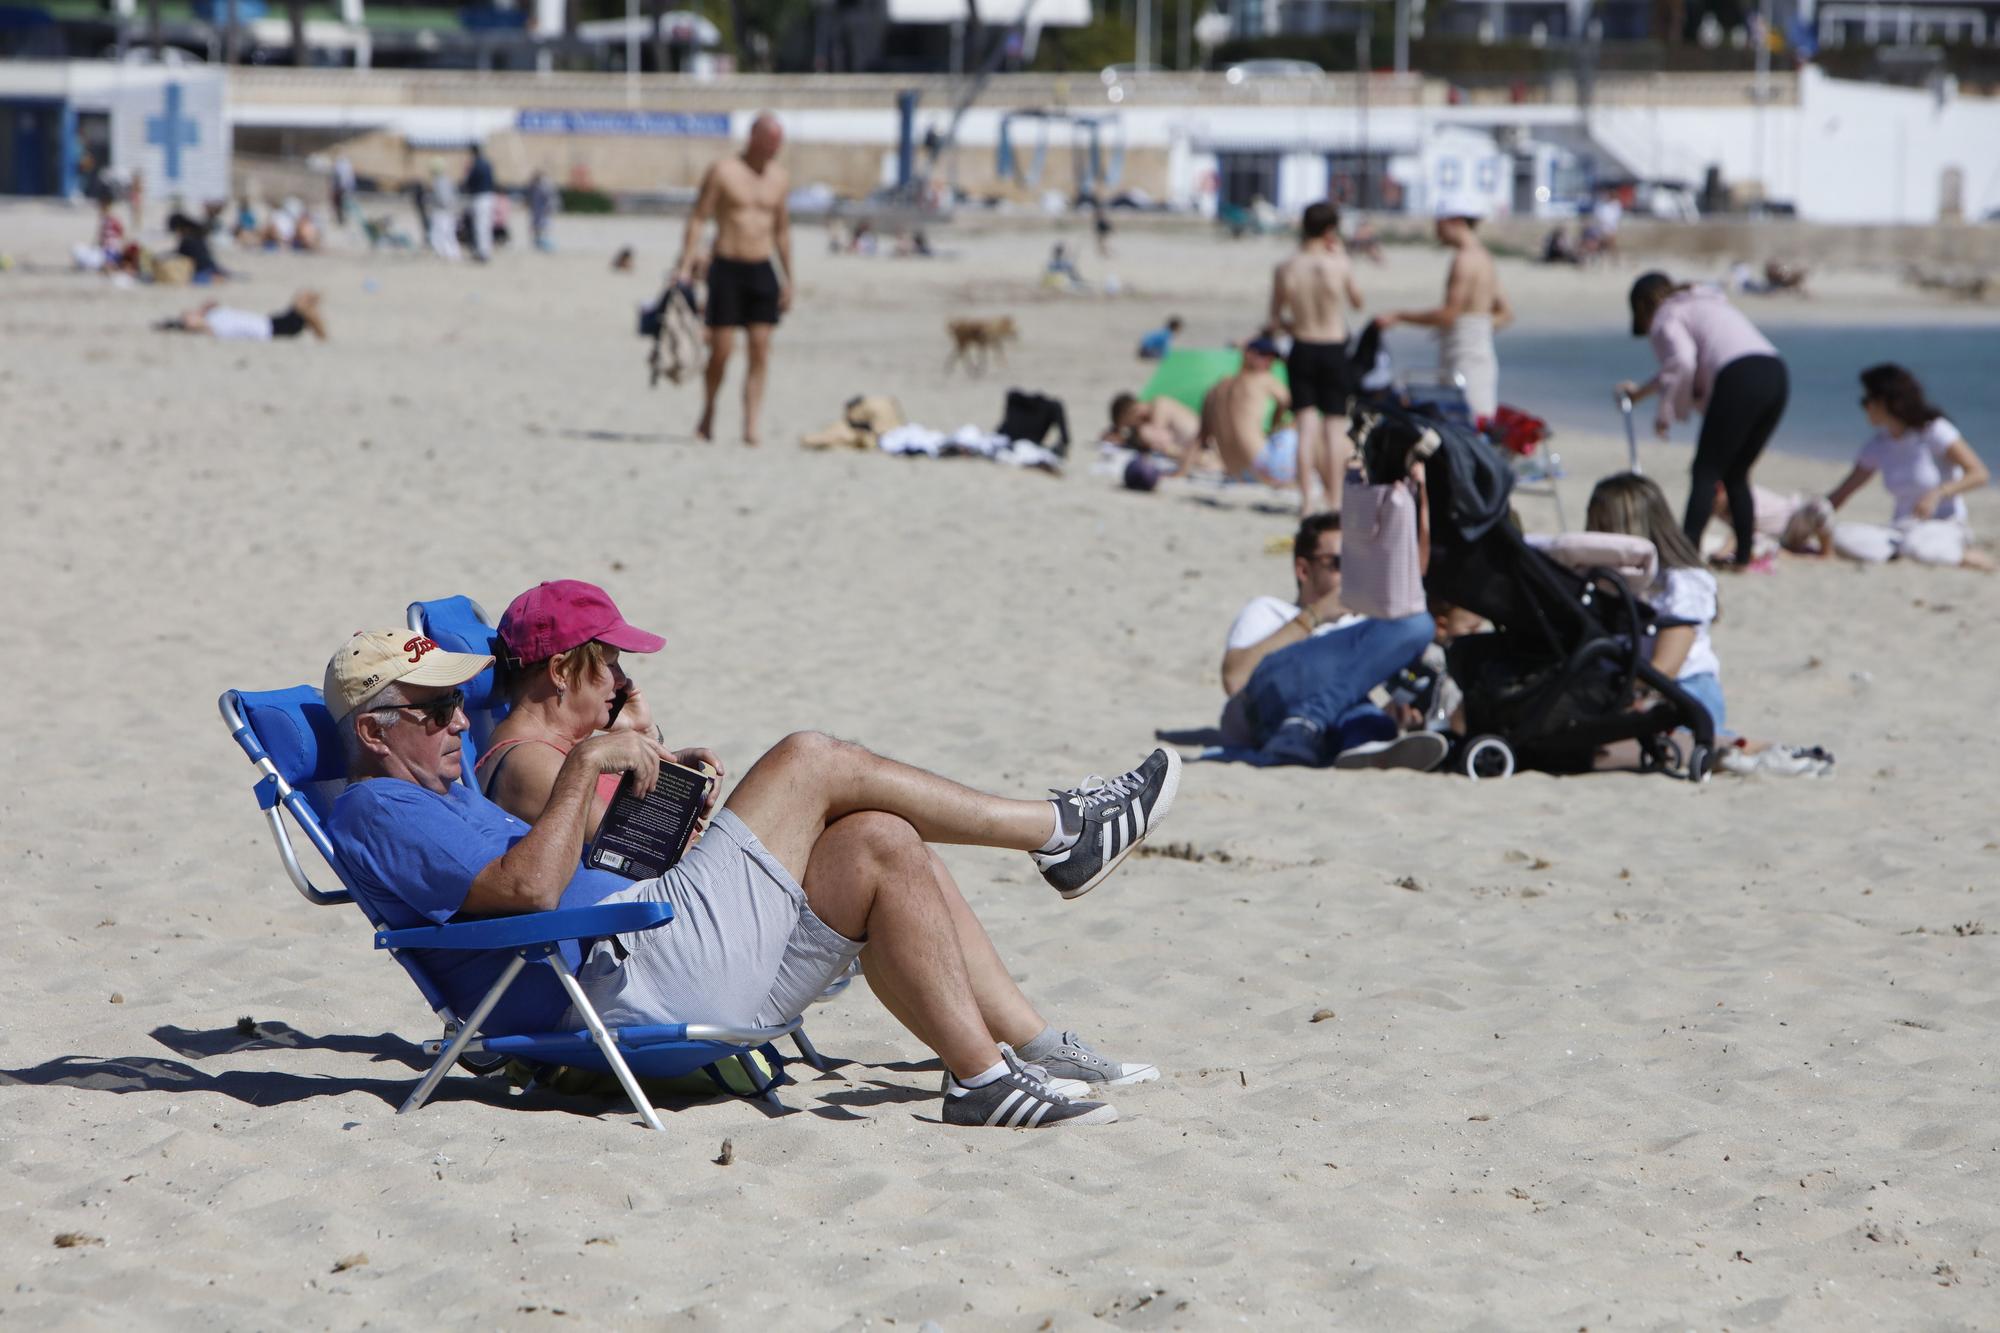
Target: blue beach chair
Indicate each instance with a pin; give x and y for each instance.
(291, 739)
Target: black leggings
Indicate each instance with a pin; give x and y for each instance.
(1743, 410)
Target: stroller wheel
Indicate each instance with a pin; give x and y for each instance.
(1486, 757)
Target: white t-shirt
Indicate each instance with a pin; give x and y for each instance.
(229, 322)
(1688, 597)
(1913, 463)
(1263, 616)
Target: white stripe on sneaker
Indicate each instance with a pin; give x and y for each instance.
(1036, 1119)
(1004, 1107)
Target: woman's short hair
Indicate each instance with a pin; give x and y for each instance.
(1901, 396)
(586, 659)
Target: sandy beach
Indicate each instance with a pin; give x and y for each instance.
(1609, 1053)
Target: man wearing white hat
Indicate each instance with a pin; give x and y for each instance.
(1474, 306)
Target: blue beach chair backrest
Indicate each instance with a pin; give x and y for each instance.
(459, 625)
(294, 739)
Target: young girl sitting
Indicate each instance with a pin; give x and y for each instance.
(1927, 466)
(1684, 603)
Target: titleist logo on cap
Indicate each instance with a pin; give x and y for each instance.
(417, 647)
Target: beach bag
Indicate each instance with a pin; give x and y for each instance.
(1379, 574)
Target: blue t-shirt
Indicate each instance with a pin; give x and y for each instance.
(1156, 344)
(411, 855)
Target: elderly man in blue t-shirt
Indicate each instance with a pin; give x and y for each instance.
(818, 857)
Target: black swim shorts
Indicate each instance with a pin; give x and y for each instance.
(1321, 378)
(741, 292)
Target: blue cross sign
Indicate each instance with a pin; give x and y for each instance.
(171, 131)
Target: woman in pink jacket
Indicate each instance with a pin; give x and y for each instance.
(1712, 360)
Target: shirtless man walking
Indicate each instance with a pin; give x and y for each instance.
(1474, 307)
(746, 196)
(1307, 292)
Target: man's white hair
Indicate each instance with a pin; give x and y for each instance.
(350, 740)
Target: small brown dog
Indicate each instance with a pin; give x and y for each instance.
(977, 342)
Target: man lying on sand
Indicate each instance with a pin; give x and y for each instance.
(820, 856)
(1298, 673)
(228, 322)
(1164, 427)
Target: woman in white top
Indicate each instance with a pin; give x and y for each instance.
(1926, 466)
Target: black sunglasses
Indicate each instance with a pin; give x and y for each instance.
(438, 712)
(1330, 563)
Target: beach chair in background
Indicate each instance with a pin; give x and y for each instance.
(291, 739)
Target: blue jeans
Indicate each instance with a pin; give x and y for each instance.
(1326, 680)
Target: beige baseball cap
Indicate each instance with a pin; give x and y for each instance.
(374, 659)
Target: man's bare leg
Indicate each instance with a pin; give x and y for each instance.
(808, 781)
(1008, 1014)
(753, 380)
(721, 342)
(1311, 458)
(870, 878)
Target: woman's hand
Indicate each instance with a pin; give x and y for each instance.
(1387, 320)
(1663, 426)
(1927, 504)
(635, 714)
(698, 756)
(1626, 390)
(625, 752)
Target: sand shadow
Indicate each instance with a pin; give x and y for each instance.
(197, 1045)
(590, 436)
(267, 1087)
(1190, 736)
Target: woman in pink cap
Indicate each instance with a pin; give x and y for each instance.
(563, 643)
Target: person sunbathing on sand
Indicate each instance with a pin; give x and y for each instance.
(821, 854)
(231, 324)
(1164, 427)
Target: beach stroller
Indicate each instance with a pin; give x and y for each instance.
(1554, 680)
(291, 739)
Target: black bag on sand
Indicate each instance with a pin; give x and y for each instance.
(1031, 416)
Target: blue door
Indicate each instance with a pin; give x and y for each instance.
(30, 147)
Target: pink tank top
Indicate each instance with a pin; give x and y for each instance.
(607, 783)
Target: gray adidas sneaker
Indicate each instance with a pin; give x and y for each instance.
(1074, 1059)
(1068, 1087)
(1107, 820)
(1019, 1100)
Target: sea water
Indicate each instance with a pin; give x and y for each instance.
(1567, 377)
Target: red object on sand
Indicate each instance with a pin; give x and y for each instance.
(1514, 430)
